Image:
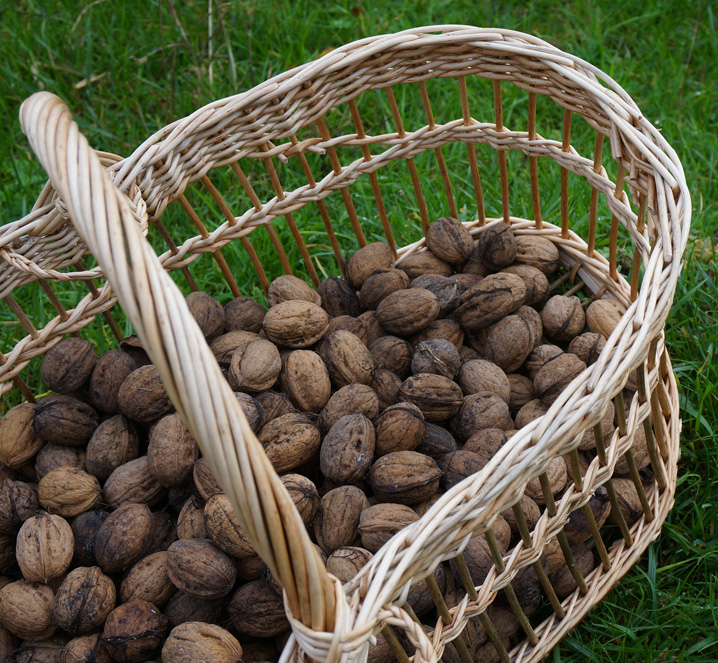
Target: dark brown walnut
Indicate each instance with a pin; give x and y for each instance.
(198, 567)
(123, 538)
(538, 252)
(531, 411)
(68, 365)
(497, 245)
(255, 366)
(295, 324)
(65, 420)
(446, 329)
(338, 298)
(18, 440)
(347, 359)
(142, 396)
(587, 347)
(475, 266)
(178, 495)
(85, 528)
(406, 312)
(26, 610)
(288, 288)
(52, 456)
(114, 443)
(541, 355)
(85, 649)
(436, 396)
(425, 262)
(44, 547)
(603, 315)
(557, 475)
(404, 477)
(68, 491)
(18, 502)
(347, 450)
(458, 465)
(190, 522)
(381, 283)
(274, 404)
(467, 281)
(252, 409)
(208, 313)
(305, 379)
(489, 301)
(8, 562)
(563, 317)
(289, 441)
(537, 285)
(347, 561)
(133, 482)
(164, 531)
(197, 641)
(386, 385)
(563, 581)
(133, 347)
(84, 600)
(373, 327)
(304, 494)
(527, 589)
(224, 346)
(555, 376)
(437, 442)
(449, 240)
(7, 644)
(147, 580)
(366, 261)
(223, 528)
(436, 356)
(481, 410)
(183, 607)
(577, 528)
(588, 441)
(531, 513)
(628, 502)
(400, 427)
(250, 568)
(445, 288)
(420, 598)
(486, 442)
(134, 632)
(347, 323)
(477, 556)
(41, 651)
(639, 448)
(533, 319)
(204, 479)
(338, 519)
(257, 610)
(353, 399)
(522, 391)
(380, 522)
(243, 314)
(477, 341)
(479, 375)
(392, 353)
(509, 343)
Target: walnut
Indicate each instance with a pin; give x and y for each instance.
(68, 365)
(347, 449)
(400, 427)
(445, 288)
(183, 607)
(204, 479)
(628, 502)
(603, 315)
(522, 391)
(85, 649)
(458, 465)
(404, 477)
(274, 404)
(486, 442)
(287, 288)
(191, 522)
(26, 610)
(85, 528)
(424, 262)
(479, 375)
(509, 342)
(44, 547)
(449, 240)
(392, 353)
(540, 355)
(366, 261)
(381, 283)
(65, 420)
(347, 359)
(436, 356)
(18, 440)
(562, 579)
(380, 522)
(406, 312)
(295, 324)
(436, 396)
(305, 379)
(563, 317)
(134, 631)
(223, 528)
(257, 610)
(224, 346)
(84, 600)
(133, 482)
(477, 556)
(557, 474)
(197, 567)
(538, 252)
(386, 385)
(196, 641)
(289, 441)
(18, 502)
(489, 301)
(587, 347)
(554, 376)
(481, 410)
(68, 491)
(338, 519)
(304, 494)
(353, 399)
(532, 410)
(142, 396)
(437, 441)
(339, 298)
(52, 456)
(255, 366)
(252, 409)
(347, 561)
(347, 323)
(123, 537)
(110, 372)
(372, 326)
(243, 314)
(208, 313)
(497, 245)
(530, 510)
(537, 285)
(447, 329)
(588, 441)
(114, 443)
(147, 580)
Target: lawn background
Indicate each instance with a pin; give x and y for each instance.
(128, 68)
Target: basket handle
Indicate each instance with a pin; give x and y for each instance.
(189, 371)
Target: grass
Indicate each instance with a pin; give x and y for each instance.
(127, 69)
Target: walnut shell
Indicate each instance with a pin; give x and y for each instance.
(366, 261)
(386, 385)
(347, 561)
(339, 298)
(537, 285)
(486, 442)
(147, 580)
(404, 477)
(557, 474)
(436, 356)
(204, 479)
(478, 376)
(114, 443)
(68, 365)
(587, 347)
(243, 314)
(392, 353)
(400, 427)
(190, 522)
(449, 240)
(347, 323)
(347, 449)
(208, 313)
(134, 632)
(533, 319)
(554, 376)
(84, 600)
(295, 324)
(406, 312)
(197, 567)
(539, 356)
(85, 528)
(289, 441)
(305, 379)
(274, 404)
(639, 447)
(530, 510)
(372, 326)
(446, 329)
(224, 346)
(509, 342)
(123, 538)
(44, 547)
(304, 494)
(445, 288)
(437, 442)
(603, 315)
(18, 440)
(424, 262)
(172, 451)
(26, 610)
(489, 301)
(538, 252)
(381, 283)
(628, 502)
(522, 391)
(347, 359)
(41, 651)
(458, 465)
(52, 456)
(68, 491)
(378, 523)
(531, 411)
(65, 420)
(563, 317)
(467, 281)
(477, 556)
(223, 528)
(257, 610)
(588, 441)
(18, 502)
(436, 396)
(164, 532)
(353, 399)
(133, 482)
(481, 410)
(497, 245)
(338, 519)
(142, 396)
(85, 649)
(255, 366)
(577, 529)
(252, 409)
(110, 372)
(196, 641)
(183, 607)
(563, 581)
(288, 288)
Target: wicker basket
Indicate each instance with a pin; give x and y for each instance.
(113, 202)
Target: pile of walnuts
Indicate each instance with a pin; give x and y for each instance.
(371, 396)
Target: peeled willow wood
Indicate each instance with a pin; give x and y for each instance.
(112, 202)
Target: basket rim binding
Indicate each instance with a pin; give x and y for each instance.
(639, 341)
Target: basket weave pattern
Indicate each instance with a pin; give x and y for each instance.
(112, 202)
